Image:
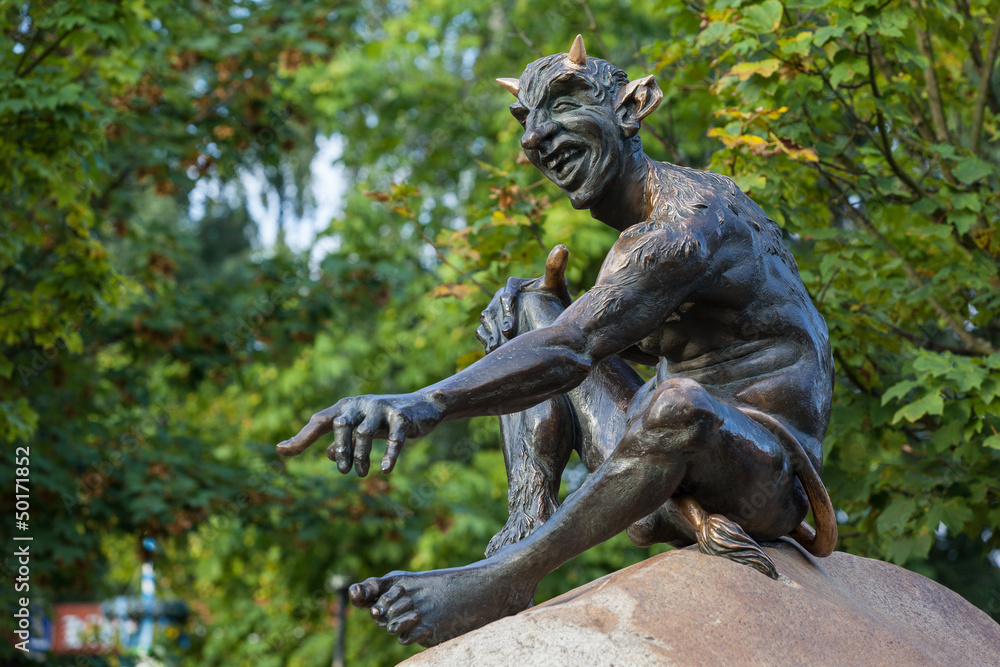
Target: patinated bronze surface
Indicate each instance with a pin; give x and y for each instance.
(721, 448)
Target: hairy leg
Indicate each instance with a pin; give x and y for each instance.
(685, 441)
(537, 442)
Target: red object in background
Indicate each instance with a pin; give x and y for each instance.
(81, 628)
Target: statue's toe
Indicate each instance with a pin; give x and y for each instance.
(419, 635)
(381, 610)
(400, 607)
(365, 594)
(404, 622)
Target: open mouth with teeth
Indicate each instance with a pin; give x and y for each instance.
(563, 162)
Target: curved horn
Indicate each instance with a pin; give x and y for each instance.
(578, 52)
(512, 86)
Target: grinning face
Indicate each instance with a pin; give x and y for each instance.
(580, 118)
(571, 133)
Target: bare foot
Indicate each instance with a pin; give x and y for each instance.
(428, 608)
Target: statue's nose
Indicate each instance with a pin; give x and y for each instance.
(536, 131)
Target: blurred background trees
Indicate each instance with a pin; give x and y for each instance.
(220, 217)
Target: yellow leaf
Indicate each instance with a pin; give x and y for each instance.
(732, 113)
(733, 140)
(803, 154)
(457, 290)
(764, 67)
(773, 113)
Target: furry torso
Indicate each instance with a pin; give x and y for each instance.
(747, 328)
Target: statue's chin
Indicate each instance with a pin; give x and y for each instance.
(597, 180)
(581, 198)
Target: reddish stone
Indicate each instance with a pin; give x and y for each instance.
(686, 608)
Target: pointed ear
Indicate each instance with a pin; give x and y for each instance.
(636, 101)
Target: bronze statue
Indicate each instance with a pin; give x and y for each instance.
(721, 448)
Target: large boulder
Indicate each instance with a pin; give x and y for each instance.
(686, 608)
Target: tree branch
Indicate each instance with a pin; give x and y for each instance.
(972, 343)
(678, 159)
(52, 47)
(27, 50)
(853, 376)
(984, 86)
(930, 79)
(595, 29)
(883, 145)
(444, 260)
(977, 57)
(878, 55)
(928, 344)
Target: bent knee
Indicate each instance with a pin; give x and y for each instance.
(683, 405)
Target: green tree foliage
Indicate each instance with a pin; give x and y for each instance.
(153, 347)
(868, 131)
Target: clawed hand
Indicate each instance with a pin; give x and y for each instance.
(355, 422)
(499, 319)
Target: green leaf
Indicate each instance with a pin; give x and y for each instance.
(894, 517)
(968, 376)
(716, 31)
(968, 200)
(798, 45)
(826, 33)
(963, 221)
(764, 17)
(955, 514)
(931, 404)
(842, 73)
(899, 390)
(971, 169)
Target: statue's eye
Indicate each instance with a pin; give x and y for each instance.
(565, 104)
(519, 112)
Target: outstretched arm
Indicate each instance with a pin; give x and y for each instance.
(642, 282)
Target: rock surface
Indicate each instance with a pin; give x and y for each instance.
(686, 608)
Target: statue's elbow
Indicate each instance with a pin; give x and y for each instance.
(577, 353)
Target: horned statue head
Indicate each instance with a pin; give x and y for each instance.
(581, 115)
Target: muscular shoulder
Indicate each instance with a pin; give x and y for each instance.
(717, 208)
(653, 252)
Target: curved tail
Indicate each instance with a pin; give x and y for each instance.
(822, 540)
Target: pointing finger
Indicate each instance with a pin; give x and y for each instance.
(318, 426)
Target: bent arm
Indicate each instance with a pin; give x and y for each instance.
(523, 372)
(631, 298)
(642, 282)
